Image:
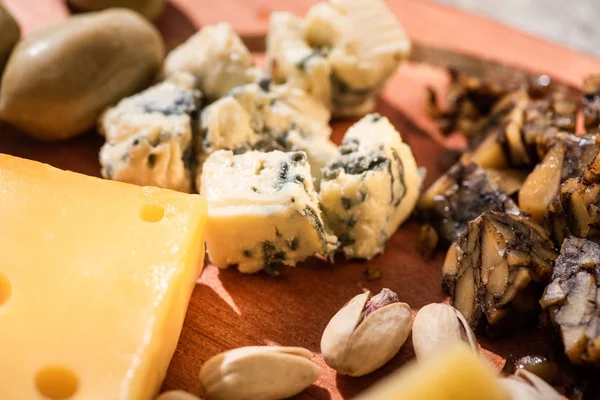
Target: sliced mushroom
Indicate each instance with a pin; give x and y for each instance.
(591, 103)
(580, 150)
(576, 209)
(547, 117)
(459, 196)
(499, 143)
(511, 141)
(542, 185)
(565, 156)
(496, 271)
(509, 180)
(572, 299)
(472, 100)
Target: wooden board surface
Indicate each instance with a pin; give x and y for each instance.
(228, 309)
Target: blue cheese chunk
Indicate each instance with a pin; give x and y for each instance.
(149, 136)
(342, 52)
(291, 59)
(262, 116)
(370, 188)
(217, 57)
(263, 210)
(320, 152)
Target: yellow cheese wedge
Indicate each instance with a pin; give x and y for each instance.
(457, 374)
(95, 278)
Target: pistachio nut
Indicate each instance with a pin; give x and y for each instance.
(438, 324)
(177, 395)
(524, 385)
(258, 373)
(365, 334)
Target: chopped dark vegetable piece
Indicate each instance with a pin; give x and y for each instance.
(510, 138)
(470, 100)
(572, 299)
(576, 209)
(459, 197)
(565, 156)
(497, 270)
(591, 103)
(508, 180)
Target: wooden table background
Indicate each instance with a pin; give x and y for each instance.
(228, 309)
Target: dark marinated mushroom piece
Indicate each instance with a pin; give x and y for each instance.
(581, 149)
(536, 364)
(459, 197)
(472, 99)
(509, 180)
(547, 117)
(572, 299)
(565, 156)
(511, 139)
(542, 185)
(9, 34)
(497, 270)
(498, 143)
(576, 209)
(591, 103)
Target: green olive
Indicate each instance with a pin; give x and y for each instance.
(148, 8)
(9, 34)
(58, 80)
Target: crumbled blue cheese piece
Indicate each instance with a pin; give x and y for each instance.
(217, 57)
(342, 52)
(149, 136)
(263, 210)
(290, 59)
(370, 188)
(262, 116)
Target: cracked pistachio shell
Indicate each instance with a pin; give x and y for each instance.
(258, 373)
(148, 8)
(9, 34)
(524, 385)
(59, 79)
(177, 395)
(438, 324)
(354, 347)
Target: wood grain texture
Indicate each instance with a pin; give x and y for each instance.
(228, 309)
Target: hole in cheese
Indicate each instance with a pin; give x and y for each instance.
(56, 382)
(152, 212)
(5, 289)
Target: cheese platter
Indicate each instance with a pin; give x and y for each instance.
(229, 309)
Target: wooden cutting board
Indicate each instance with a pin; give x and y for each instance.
(228, 309)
